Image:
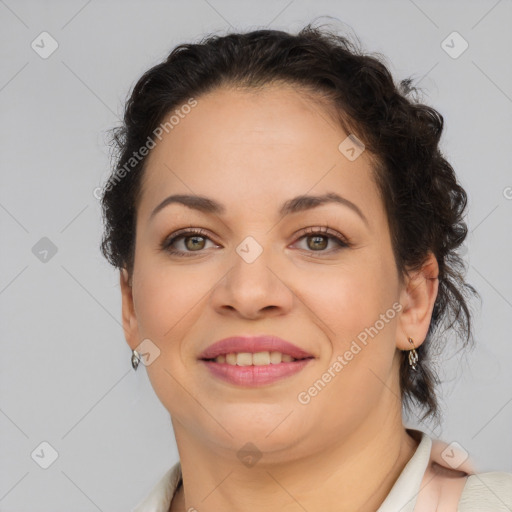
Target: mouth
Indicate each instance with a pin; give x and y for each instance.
(263, 358)
(253, 350)
(251, 361)
(253, 375)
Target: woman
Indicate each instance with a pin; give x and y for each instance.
(286, 230)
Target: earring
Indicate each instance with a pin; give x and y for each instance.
(413, 356)
(135, 359)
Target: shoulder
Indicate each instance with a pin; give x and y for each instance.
(460, 486)
(487, 491)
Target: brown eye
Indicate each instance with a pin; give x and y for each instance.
(193, 242)
(318, 241)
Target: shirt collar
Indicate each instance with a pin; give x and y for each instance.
(402, 496)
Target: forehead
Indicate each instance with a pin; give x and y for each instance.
(253, 149)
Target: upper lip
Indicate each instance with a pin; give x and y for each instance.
(253, 344)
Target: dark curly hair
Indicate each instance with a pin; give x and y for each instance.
(423, 200)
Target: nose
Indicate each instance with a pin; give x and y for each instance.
(254, 286)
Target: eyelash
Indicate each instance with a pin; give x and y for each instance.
(324, 231)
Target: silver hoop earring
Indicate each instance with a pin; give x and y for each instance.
(413, 356)
(135, 359)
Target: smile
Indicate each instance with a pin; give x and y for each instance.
(254, 369)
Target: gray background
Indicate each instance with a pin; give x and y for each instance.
(65, 367)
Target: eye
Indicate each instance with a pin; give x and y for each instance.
(320, 238)
(194, 239)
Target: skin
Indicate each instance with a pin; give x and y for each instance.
(252, 151)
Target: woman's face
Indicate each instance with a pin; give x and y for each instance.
(258, 272)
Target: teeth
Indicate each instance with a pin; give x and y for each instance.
(275, 357)
(260, 358)
(256, 359)
(244, 359)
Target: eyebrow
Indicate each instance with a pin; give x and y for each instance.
(295, 205)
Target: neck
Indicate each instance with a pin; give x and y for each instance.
(355, 473)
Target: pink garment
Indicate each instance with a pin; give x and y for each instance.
(444, 479)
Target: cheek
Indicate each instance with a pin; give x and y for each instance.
(353, 303)
(164, 297)
(167, 303)
(348, 295)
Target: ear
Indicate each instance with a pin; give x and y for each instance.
(418, 298)
(130, 325)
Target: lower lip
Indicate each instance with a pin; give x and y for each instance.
(250, 376)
